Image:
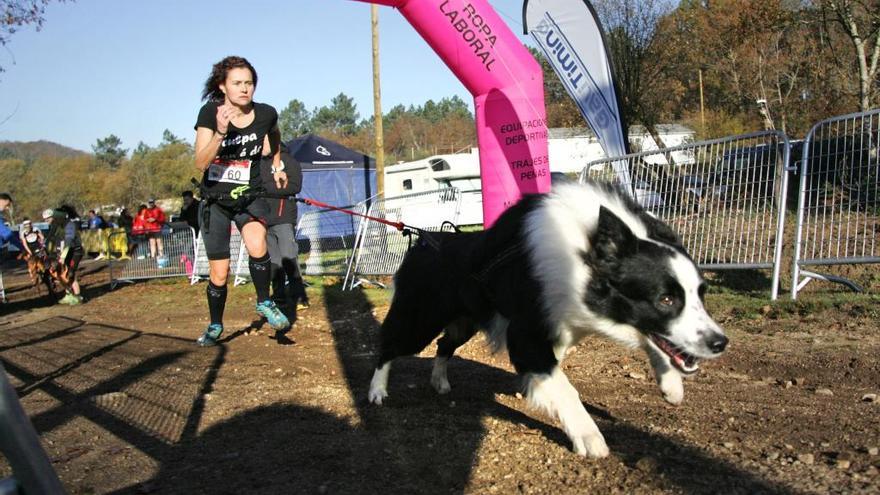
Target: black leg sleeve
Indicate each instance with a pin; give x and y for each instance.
(260, 269)
(216, 302)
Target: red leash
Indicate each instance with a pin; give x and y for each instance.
(397, 225)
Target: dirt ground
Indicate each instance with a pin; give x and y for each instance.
(125, 402)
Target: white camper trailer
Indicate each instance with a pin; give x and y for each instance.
(569, 151)
(459, 170)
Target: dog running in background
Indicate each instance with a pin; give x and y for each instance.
(583, 259)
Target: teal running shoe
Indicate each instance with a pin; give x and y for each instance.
(273, 315)
(211, 335)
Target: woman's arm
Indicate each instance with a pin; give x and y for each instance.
(207, 145)
(208, 140)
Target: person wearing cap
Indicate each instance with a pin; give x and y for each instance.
(6, 234)
(32, 239)
(154, 219)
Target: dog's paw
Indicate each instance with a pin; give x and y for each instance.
(590, 445)
(379, 385)
(438, 376)
(440, 384)
(673, 391)
(376, 396)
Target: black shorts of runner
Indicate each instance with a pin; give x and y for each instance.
(74, 256)
(217, 220)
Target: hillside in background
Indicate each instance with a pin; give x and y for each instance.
(32, 150)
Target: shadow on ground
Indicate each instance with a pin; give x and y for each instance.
(148, 391)
(22, 296)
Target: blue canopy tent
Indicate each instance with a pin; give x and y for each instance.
(335, 175)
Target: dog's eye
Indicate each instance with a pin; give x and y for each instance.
(666, 300)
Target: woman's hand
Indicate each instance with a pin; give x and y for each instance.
(280, 179)
(225, 113)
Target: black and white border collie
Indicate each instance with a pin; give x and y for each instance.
(555, 267)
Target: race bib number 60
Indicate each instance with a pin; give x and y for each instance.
(230, 171)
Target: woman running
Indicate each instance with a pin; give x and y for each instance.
(229, 145)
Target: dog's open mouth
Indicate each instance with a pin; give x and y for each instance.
(685, 362)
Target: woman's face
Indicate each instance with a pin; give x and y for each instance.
(239, 87)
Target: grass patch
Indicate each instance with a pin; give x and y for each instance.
(748, 306)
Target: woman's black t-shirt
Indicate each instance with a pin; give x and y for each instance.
(237, 161)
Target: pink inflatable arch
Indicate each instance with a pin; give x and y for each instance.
(508, 89)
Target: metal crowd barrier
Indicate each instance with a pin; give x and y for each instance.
(31, 469)
(325, 240)
(99, 241)
(380, 248)
(724, 197)
(839, 198)
(237, 252)
(175, 260)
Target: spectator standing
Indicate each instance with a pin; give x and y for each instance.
(138, 229)
(96, 224)
(138, 226)
(280, 239)
(189, 212)
(96, 221)
(125, 220)
(6, 234)
(154, 220)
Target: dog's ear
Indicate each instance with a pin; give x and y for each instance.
(659, 230)
(613, 239)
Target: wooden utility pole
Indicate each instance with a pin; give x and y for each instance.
(377, 105)
(702, 112)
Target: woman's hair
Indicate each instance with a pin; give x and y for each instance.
(142, 207)
(70, 211)
(218, 76)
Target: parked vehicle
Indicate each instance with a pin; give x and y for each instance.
(646, 196)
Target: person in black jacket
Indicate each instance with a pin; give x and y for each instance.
(280, 238)
(65, 244)
(189, 212)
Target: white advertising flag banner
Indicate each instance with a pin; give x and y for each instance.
(570, 36)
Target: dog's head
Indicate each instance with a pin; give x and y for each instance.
(653, 286)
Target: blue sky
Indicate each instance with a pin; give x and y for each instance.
(134, 68)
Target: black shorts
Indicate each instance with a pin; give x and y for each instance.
(217, 220)
(74, 256)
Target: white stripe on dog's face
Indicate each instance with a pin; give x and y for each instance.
(693, 330)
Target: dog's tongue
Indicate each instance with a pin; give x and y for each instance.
(684, 362)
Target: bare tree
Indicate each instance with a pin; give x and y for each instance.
(15, 14)
(634, 47)
(860, 22)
